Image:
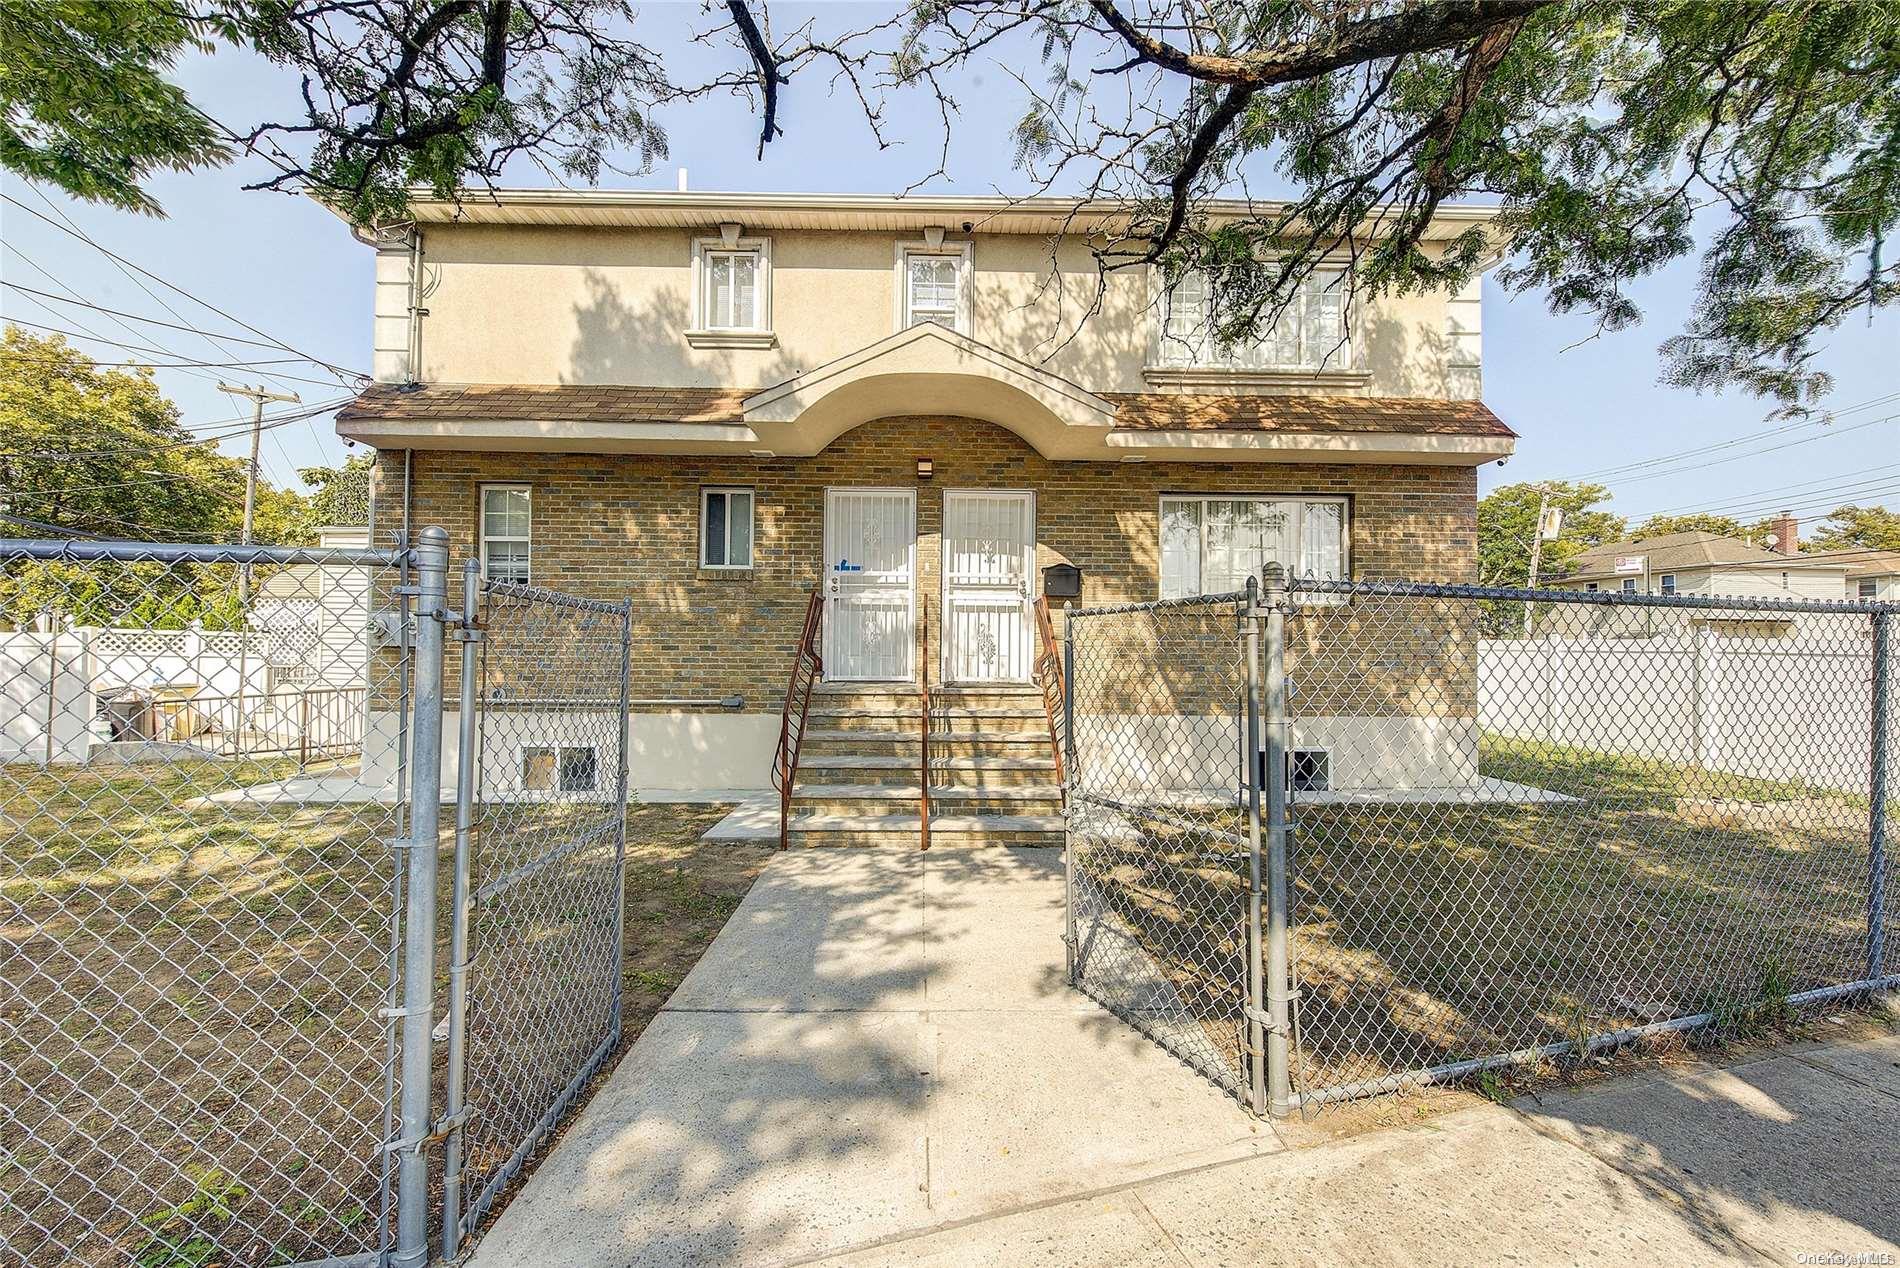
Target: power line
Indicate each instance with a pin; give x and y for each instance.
(1753, 453)
(1699, 450)
(1771, 496)
(234, 426)
(150, 321)
(75, 232)
(158, 365)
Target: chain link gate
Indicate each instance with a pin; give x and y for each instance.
(1449, 852)
(199, 901)
(538, 887)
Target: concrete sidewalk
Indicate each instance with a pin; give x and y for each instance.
(880, 1060)
(1796, 1153)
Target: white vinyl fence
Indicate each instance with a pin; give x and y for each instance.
(1774, 706)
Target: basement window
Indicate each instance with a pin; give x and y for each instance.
(570, 768)
(1309, 770)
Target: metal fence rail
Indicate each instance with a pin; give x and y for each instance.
(539, 880)
(198, 903)
(1450, 852)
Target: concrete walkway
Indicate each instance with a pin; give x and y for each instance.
(879, 1062)
(878, 1041)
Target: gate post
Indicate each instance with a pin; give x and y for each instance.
(1250, 613)
(1068, 793)
(468, 763)
(1279, 984)
(418, 965)
(1879, 790)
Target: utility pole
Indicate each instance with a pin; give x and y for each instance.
(259, 397)
(1544, 528)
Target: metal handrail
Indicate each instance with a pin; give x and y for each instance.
(807, 664)
(1049, 678)
(923, 761)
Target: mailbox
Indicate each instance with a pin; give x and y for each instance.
(1062, 581)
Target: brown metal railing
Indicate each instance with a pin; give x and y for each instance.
(806, 667)
(923, 761)
(1049, 678)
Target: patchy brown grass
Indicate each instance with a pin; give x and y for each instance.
(190, 1049)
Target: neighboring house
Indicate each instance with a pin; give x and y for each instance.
(1705, 564)
(715, 403)
(1871, 574)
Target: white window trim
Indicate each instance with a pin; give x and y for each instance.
(481, 521)
(1666, 582)
(1342, 369)
(964, 253)
(752, 516)
(1299, 528)
(700, 334)
(1867, 589)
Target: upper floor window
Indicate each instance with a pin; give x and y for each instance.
(1211, 545)
(933, 285)
(732, 280)
(507, 522)
(1309, 335)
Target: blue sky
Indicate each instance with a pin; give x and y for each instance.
(1581, 405)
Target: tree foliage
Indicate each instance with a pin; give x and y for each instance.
(1507, 526)
(1857, 528)
(1663, 525)
(340, 495)
(1609, 131)
(102, 452)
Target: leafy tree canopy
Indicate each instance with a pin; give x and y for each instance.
(1507, 525)
(102, 452)
(1608, 131)
(340, 494)
(1662, 525)
(1856, 528)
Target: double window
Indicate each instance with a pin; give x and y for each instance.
(1212, 544)
(725, 527)
(1310, 334)
(933, 285)
(507, 515)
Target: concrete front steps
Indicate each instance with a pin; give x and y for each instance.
(992, 778)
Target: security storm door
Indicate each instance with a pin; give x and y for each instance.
(989, 553)
(870, 601)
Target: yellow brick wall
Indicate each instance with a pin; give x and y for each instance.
(613, 526)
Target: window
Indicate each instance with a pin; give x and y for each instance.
(1310, 334)
(507, 513)
(1629, 585)
(1669, 583)
(933, 285)
(1211, 545)
(1308, 770)
(1865, 589)
(725, 528)
(732, 291)
(570, 768)
(1591, 586)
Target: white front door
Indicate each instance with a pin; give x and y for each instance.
(989, 556)
(870, 601)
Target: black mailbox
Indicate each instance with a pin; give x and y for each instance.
(1062, 581)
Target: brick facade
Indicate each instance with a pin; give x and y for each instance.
(610, 526)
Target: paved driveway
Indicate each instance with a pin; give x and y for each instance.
(878, 1042)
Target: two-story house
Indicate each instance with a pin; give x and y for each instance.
(717, 402)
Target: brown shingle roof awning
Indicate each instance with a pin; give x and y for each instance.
(1137, 411)
(1171, 411)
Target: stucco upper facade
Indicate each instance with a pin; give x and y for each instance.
(491, 294)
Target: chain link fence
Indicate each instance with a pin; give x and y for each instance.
(298, 960)
(1451, 852)
(546, 851)
(1160, 863)
(198, 904)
